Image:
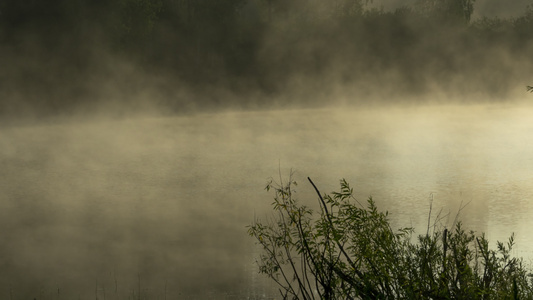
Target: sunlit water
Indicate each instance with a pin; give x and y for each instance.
(160, 205)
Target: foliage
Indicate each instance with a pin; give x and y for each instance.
(523, 24)
(350, 251)
(137, 18)
(457, 11)
(256, 50)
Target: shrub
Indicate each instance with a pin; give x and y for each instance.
(350, 251)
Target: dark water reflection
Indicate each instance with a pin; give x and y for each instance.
(160, 205)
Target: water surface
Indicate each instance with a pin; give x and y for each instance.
(160, 204)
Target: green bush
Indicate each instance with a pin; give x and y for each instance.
(350, 251)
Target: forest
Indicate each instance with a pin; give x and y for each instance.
(61, 56)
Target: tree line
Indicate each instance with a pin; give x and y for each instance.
(270, 47)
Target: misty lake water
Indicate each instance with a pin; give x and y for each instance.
(160, 204)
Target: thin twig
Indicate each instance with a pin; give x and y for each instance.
(461, 207)
(429, 215)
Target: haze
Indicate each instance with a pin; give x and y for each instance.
(136, 137)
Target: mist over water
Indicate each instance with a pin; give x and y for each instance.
(101, 207)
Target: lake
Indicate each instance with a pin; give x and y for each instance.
(109, 209)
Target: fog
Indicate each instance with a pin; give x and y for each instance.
(136, 137)
(96, 205)
(116, 200)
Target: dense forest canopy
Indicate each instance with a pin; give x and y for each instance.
(61, 55)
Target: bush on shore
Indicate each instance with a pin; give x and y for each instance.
(347, 250)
